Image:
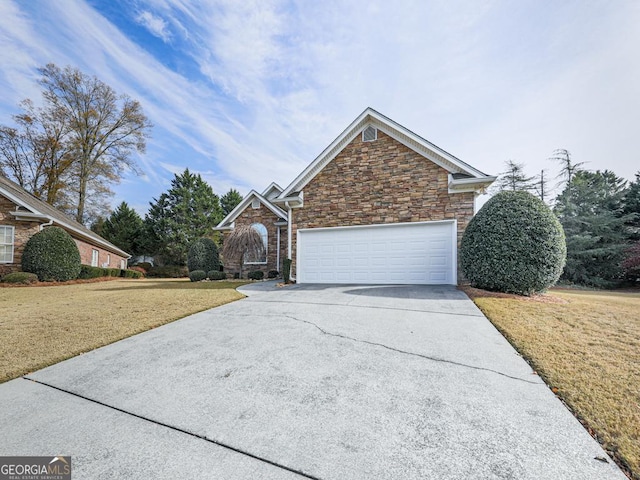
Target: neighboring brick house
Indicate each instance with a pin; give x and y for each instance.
(380, 205)
(22, 215)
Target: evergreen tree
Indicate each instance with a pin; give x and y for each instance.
(188, 211)
(591, 210)
(125, 229)
(632, 207)
(229, 201)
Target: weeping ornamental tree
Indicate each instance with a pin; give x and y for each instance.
(243, 241)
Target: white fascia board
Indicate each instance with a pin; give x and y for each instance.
(235, 213)
(469, 184)
(394, 130)
(294, 201)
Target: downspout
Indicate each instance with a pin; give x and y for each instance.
(278, 252)
(289, 216)
(48, 224)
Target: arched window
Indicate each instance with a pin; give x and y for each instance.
(262, 230)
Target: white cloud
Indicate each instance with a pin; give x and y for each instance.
(156, 25)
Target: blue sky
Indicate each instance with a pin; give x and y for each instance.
(249, 92)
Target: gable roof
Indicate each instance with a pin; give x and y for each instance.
(226, 222)
(37, 210)
(418, 144)
(274, 187)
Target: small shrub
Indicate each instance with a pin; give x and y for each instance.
(197, 275)
(514, 244)
(286, 270)
(168, 271)
(273, 274)
(203, 255)
(24, 278)
(87, 271)
(130, 273)
(141, 270)
(112, 272)
(52, 255)
(216, 275)
(256, 275)
(144, 265)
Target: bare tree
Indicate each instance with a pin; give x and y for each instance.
(568, 168)
(541, 186)
(514, 178)
(34, 154)
(243, 242)
(104, 129)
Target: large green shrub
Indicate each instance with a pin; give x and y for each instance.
(514, 244)
(203, 255)
(256, 275)
(52, 255)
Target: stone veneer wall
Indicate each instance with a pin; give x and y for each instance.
(22, 233)
(380, 182)
(266, 217)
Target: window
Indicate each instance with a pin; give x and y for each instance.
(108, 259)
(94, 258)
(255, 203)
(6, 244)
(262, 230)
(123, 264)
(369, 134)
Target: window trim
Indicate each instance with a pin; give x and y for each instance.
(12, 244)
(95, 254)
(265, 240)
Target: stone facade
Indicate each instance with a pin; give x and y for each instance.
(378, 182)
(266, 217)
(23, 231)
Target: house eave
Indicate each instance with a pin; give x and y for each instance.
(295, 201)
(33, 217)
(477, 185)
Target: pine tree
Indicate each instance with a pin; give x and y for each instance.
(188, 211)
(125, 229)
(514, 178)
(229, 201)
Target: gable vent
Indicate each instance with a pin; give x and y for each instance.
(255, 203)
(369, 134)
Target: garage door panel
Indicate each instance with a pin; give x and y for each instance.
(402, 253)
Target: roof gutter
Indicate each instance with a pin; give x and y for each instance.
(478, 185)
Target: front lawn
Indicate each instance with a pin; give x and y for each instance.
(586, 346)
(44, 325)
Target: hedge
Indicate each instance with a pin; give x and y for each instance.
(197, 275)
(24, 278)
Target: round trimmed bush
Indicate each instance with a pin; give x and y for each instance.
(256, 275)
(216, 275)
(52, 255)
(514, 244)
(203, 255)
(197, 275)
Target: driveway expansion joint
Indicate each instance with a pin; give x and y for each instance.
(413, 354)
(280, 302)
(180, 430)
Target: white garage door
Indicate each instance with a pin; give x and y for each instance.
(403, 253)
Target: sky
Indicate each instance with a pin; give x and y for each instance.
(249, 92)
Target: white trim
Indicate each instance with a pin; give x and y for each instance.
(278, 249)
(273, 186)
(235, 213)
(95, 257)
(430, 222)
(394, 130)
(12, 244)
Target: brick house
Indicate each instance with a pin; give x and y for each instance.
(22, 215)
(380, 205)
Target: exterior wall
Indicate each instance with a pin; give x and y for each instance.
(22, 232)
(266, 217)
(380, 182)
(86, 250)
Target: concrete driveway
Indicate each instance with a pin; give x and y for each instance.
(324, 382)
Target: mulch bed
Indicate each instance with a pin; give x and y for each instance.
(474, 293)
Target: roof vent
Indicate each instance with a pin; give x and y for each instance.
(255, 203)
(369, 134)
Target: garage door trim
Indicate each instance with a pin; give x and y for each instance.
(454, 239)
